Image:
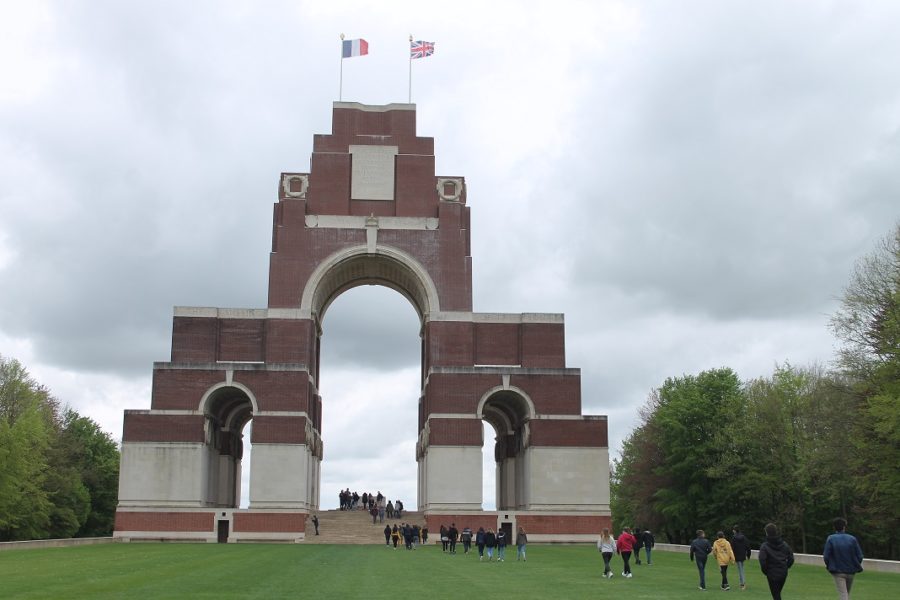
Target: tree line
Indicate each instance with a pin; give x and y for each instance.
(59, 471)
(797, 448)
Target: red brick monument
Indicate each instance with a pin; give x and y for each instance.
(370, 211)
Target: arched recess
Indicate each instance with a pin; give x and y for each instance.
(356, 266)
(227, 408)
(508, 410)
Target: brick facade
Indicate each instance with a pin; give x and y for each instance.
(370, 210)
(164, 521)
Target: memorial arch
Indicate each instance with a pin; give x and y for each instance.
(369, 211)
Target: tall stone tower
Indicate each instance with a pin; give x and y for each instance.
(370, 211)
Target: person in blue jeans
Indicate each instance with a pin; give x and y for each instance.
(490, 540)
(501, 545)
(649, 542)
(700, 549)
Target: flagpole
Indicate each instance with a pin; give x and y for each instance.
(410, 69)
(341, 84)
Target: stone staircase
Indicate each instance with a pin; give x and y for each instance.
(353, 527)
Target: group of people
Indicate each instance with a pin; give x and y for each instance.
(626, 543)
(842, 555)
(489, 541)
(485, 541)
(410, 534)
(375, 504)
(727, 553)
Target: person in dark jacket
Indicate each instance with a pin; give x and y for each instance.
(700, 549)
(445, 539)
(501, 545)
(387, 535)
(843, 558)
(480, 541)
(649, 542)
(490, 540)
(453, 535)
(521, 542)
(741, 547)
(775, 558)
(638, 544)
(466, 537)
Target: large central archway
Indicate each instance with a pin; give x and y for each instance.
(370, 382)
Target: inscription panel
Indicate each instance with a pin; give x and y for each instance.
(372, 177)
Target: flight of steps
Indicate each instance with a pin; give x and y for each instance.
(353, 527)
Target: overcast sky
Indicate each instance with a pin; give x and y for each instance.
(690, 183)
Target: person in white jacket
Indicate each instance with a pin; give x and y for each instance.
(607, 547)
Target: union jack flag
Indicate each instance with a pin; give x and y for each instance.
(420, 49)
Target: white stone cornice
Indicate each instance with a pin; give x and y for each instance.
(375, 107)
(473, 317)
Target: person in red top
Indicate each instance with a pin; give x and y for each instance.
(624, 546)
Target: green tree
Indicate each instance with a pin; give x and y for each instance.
(58, 472)
(868, 322)
(692, 409)
(95, 457)
(25, 436)
(636, 475)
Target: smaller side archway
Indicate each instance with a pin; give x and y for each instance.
(227, 408)
(508, 411)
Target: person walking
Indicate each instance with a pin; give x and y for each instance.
(490, 540)
(624, 545)
(724, 556)
(741, 547)
(843, 558)
(607, 547)
(387, 535)
(466, 537)
(395, 535)
(649, 542)
(480, 536)
(453, 535)
(315, 522)
(445, 539)
(775, 558)
(521, 542)
(638, 544)
(501, 545)
(700, 549)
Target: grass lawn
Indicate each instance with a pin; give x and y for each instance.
(372, 572)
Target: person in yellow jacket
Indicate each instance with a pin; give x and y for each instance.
(724, 556)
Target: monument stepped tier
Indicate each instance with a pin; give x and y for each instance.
(369, 211)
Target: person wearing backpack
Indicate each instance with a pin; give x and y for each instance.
(775, 558)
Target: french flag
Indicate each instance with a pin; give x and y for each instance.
(358, 47)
